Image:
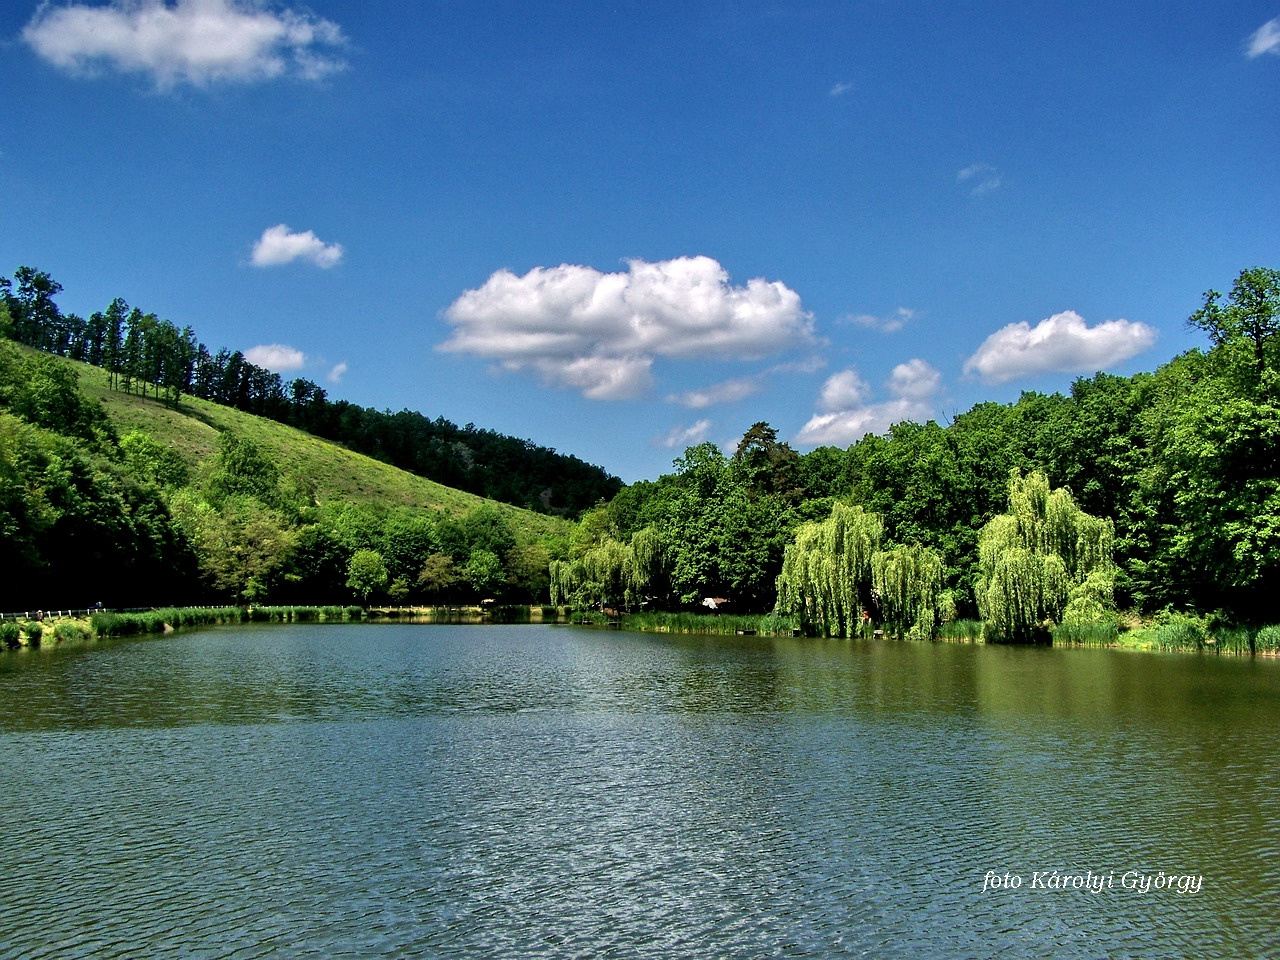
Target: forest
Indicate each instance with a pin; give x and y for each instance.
(1182, 464)
(1126, 495)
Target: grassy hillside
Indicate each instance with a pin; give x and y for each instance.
(337, 474)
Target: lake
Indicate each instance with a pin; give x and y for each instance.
(360, 791)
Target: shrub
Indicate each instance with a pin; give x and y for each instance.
(105, 624)
(34, 630)
(1267, 640)
(1233, 639)
(1180, 631)
(9, 634)
(68, 631)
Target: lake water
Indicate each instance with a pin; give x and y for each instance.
(531, 791)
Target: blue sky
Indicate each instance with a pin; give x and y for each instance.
(617, 229)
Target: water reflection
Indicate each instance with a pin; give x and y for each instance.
(437, 791)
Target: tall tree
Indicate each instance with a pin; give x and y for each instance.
(827, 571)
(37, 321)
(1250, 319)
(1044, 562)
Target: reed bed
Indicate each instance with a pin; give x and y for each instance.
(768, 625)
(969, 631)
(1104, 633)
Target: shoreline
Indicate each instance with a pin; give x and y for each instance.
(65, 629)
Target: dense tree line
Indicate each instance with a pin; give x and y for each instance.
(151, 356)
(1182, 465)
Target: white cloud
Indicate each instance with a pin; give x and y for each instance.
(843, 391)
(276, 357)
(687, 436)
(728, 391)
(914, 380)
(888, 324)
(601, 332)
(983, 177)
(841, 88)
(846, 416)
(192, 41)
(1063, 343)
(1266, 39)
(337, 372)
(599, 378)
(279, 245)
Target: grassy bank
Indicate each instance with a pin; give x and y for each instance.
(106, 624)
(714, 624)
(1168, 633)
(1172, 632)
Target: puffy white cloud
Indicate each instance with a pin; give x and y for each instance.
(847, 416)
(1063, 343)
(279, 245)
(888, 324)
(599, 378)
(914, 380)
(729, 391)
(276, 357)
(192, 41)
(337, 372)
(687, 436)
(1266, 39)
(982, 177)
(601, 332)
(843, 391)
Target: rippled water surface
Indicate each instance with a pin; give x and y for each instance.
(433, 791)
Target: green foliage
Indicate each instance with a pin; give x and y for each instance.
(69, 631)
(1225, 491)
(10, 634)
(967, 630)
(45, 392)
(1267, 640)
(650, 621)
(68, 516)
(1103, 633)
(34, 630)
(484, 572)
(1180, 631)
(827, 571)
(438, 576)
(1247, 327)
(908, 589)
(366, 573)
(242, 469)
(242, 545)
(1043, 562)
(152, 462)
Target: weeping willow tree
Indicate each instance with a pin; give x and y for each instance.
(646, 573)
(907, 585)
(610, 573)
(1044, 562)
(826, 578)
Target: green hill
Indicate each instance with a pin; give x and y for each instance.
(115, 497)
(338, 474)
